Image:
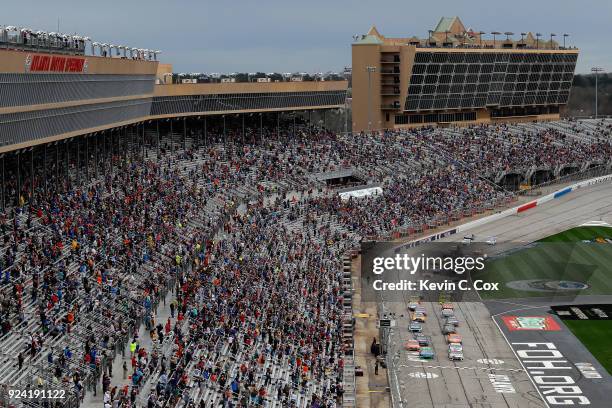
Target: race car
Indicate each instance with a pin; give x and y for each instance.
(414, 303)
(418, 317)
(452, 320)
(453, 338)
(415, 327)
(455, 351)
(422, 339)
(412, 345)
(421, 309)
(426, 352)
(467, 240)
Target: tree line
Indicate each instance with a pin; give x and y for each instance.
(582, 96)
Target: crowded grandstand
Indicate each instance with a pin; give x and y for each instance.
(248, 244)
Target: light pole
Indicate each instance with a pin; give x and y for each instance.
(495, 33)
(564, 37)
(345, 117)
(480, 34)
(538, 35)
(596, 71)
(551, 39)
(370, 70)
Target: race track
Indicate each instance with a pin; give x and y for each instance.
(476, 381)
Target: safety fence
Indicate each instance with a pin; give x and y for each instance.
(511, 211)
(349, 397)
(442, 220)
(593, 172)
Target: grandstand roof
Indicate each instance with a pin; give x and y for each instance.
(452, 30)
(373, 31)
(452, 24)
(372, 37)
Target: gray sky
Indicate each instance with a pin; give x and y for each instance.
(307, 35)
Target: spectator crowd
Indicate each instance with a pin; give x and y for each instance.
(248, 244)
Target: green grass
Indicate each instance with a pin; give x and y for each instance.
(595, 335)
(561, 256)
(580, 233)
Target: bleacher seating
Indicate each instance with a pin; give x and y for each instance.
(249, 244)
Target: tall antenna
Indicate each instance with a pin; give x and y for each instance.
(58, 25)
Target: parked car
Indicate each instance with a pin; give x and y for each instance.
(448, 329)
(447, 313)
(453, 338)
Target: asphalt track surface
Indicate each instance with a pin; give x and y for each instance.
(443, 383)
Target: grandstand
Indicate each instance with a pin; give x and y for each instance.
(192, 233)
(456, 76)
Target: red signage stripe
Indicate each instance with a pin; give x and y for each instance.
(527, 206)
(47, 63)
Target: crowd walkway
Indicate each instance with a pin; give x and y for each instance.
(121, 377)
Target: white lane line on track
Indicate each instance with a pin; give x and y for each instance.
(490, 361)
(469, 368)
(521, 309)
(508, 303)
(519, 360)
(423, 375)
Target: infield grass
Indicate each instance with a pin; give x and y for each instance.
(595, 335)
(560, 257)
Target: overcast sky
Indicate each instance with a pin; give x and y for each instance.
(308, 35)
